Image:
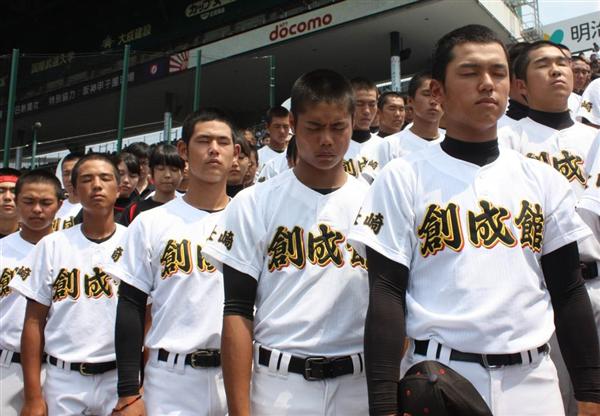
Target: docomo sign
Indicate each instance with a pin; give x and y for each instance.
(282, 30)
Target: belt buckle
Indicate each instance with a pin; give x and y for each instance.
(487, 365)
(200, 354)
(82, 370)
(308, 368)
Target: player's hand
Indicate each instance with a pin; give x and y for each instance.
(34, 408)
(129, 406)
(588, 409)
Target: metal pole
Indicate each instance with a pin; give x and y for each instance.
(36, 126)
(123, 98)
(168, 123)
(19, 158)
(10, 112)
(395, 61)
(271, 81)
(197, 81)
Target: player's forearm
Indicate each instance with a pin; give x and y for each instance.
(236, 359)
(32, 349)
(574, 321)
(384, 332)
(129, 337)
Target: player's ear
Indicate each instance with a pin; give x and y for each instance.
(437, 91)
(521, 87)
(182, 149)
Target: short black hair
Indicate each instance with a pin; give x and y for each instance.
(93, 156)
(253, 150)
(204, 115)
(291, 153)
(382, 100)
(140, 150)
(244, 145)
(321, 85)
(362, 83)
(278, 111)
(522, 61)
(167, 155)
(416, 81)
(580, 58)
(130, 160)
(39, 176)
(443, 54)
(514, 51)
(72, 156)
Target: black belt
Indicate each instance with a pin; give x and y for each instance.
(313, 368)
(485, 360)
(200, 358)
(16, 357)
(589, 270)
(87, 369)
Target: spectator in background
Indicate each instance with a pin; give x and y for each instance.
(278, 126)
(239, 167)
(129, 173)
(390, 109)
(166, 171)
(8, 208)
(142, 152)
(408, 115)
(250, 137)
(582, 73)
(252, 167)
(595, 66)
(65, 217)
(183, 185)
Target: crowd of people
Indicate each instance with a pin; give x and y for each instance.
(429, 253)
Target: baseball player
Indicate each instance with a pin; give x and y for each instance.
(38, 194)
(278, 126)
(390, 110)
(589, 109)
(163, 259)
(423, 132)
(283, 246)
(478, 244)
(517, 104)
(71, 304)
(8, 211)
(65, 217)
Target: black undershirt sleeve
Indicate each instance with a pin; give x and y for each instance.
(129, 338)
(573, 317)
(240, 293)
(384, 331)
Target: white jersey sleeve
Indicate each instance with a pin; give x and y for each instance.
(39, 285)
(240, 235)
(385, 220)
(590, 103)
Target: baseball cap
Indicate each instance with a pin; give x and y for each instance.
(430, 388)
(590, 102)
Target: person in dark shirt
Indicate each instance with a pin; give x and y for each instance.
(129, 172)
(166, 171)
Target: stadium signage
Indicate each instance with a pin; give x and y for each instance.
(284, 29)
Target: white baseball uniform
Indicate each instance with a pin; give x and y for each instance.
(354, 162)
(65, 216)
(273, 167)
(265, 154)
(312, 290)
(590, 103)
(394, 146)
(67, 276)
(571, 151)
(163, 258)
(15, 262)
(472, 238)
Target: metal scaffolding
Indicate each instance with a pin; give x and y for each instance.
(528, 13)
